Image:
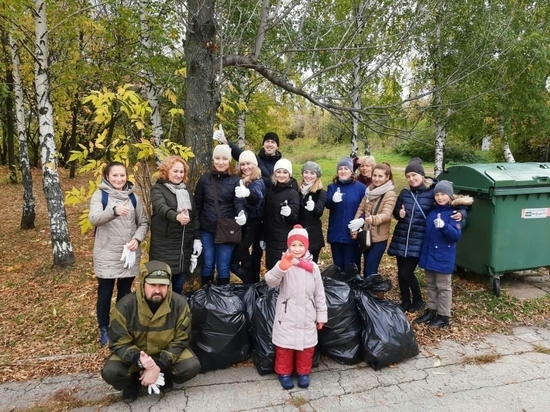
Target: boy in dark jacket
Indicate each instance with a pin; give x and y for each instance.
(438, 254)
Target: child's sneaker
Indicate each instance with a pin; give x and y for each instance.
(303, 381)
(286, 381)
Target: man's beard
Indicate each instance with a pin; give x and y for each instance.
(155, 300)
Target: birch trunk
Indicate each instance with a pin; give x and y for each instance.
(506, 151)
(28, 214)
(62, 249)
(153, 92)
(241, 123)
(356, 104)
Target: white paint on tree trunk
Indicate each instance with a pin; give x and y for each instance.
(241, 122)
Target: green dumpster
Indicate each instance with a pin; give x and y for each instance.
(508, 226)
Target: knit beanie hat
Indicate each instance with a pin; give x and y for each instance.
(415, 165)
(222, 150)
(248, 156)
(271, 136)
(298, 233)
(444, 186)
(346, 162)
(283, 164)
(312, 167)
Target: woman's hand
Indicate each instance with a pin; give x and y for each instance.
(456, 216)
(402, 212)
(123, 209)
(132, 244)
(368, 219)
(183, 217)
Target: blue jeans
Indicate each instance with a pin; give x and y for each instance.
(215, 255)
(178, 280)
(373, 256)
(343, 254)
(105, 293)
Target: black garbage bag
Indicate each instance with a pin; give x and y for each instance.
(340, 338)
(372, 284)
(263, 354)
(219, 334)
(253, 292)
(349, 274)
(237, 288)
(386, 334)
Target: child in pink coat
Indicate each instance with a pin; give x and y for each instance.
(301, 309)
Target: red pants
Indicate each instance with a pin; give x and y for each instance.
(284, 361)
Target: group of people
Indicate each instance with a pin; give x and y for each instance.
(275, 214)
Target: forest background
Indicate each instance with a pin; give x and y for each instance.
(89, 81)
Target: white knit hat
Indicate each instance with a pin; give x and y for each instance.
(283, 164)
(248, 156)
(222, 150)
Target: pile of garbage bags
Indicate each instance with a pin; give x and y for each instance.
(233, 323)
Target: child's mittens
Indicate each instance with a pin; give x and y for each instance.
(438, 222)
(286, 261)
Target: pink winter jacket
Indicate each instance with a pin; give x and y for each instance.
(300, 306)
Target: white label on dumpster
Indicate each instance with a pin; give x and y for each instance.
(538, 213)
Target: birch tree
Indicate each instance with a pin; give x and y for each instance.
(28, 213)
(61, 245)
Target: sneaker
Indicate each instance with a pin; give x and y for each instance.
(286, 381)
(440, 322)
(131, 392)
(168, 383)
(416, 306)
(303, 381)
(426, 317)
(103, 335)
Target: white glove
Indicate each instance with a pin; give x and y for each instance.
(241, 218)
(310, 204)
(439, 223)
(154, 387)
(193, 263)
(285, 210)
(219, 135)
(241, 190)
(128, 257)
(263, 245)
(356, 224)
(197, 247)
(337, 196)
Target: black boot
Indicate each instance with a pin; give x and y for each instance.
(223, 281)
(427, 316)
(131, 392)
(416, 306)
(205, 280)
(440, 322)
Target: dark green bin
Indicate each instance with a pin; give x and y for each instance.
(508, 225)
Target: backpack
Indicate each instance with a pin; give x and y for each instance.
(105, 200)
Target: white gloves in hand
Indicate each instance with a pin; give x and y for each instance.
(310, 204)
(241, 218)
(285, 210)
(356, 224)
(263, 245)
(193, 262)
(197, 247)
(154, 387)
(337, 196)
(438, 222)
(128, 257)
(241, 190)
(219, 135)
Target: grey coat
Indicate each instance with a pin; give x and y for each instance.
(114, 232)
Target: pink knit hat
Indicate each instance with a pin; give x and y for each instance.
(298, 233)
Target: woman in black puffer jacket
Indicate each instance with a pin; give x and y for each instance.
(175, 231)
(282, 206)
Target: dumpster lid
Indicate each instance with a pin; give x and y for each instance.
(483, 177)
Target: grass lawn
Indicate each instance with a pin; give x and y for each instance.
(48, 324)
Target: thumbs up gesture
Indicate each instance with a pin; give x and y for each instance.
(240, 218)
(402, 212)
(285, 210)
(242, 191)
(310, 204)
(219, 135)
(337, 196)
(438, 222)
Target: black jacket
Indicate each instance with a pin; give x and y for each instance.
(171, 242)
(230, 206)
(277, 226)
(311, 221)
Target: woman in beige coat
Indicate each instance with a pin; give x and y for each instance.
(374, 214)
(121, 225)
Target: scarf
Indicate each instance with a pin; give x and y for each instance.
(305, 188)
(182, 195)
(305, 262)
(372, 193)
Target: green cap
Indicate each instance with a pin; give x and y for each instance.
(156, 273)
